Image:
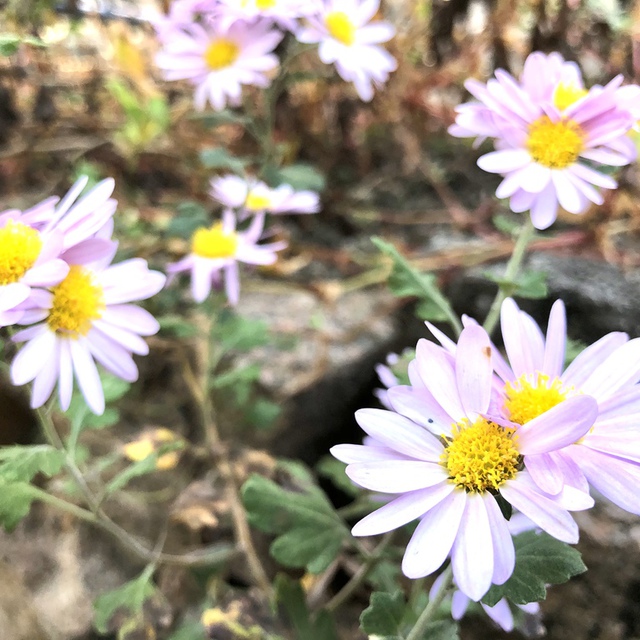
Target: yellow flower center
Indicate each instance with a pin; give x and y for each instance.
(528, 397)
(265, 4)
(77, 301)
(20, 247)
(566, 94)
(481, 456)
(214, 242)
(340, 27)
(220, 54)
(555, 144)
(257, 201)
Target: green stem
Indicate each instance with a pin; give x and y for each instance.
(360, 575)
(513, 266)
(417, 633)
(98, 518)
(202, 395)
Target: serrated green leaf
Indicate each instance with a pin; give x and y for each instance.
(239, 333)
(540, 560)
(21, 463)
(220, 158)
(333, 469)
(384, 615)
(15, 504)
(428, 310)
(238, 375)
(309, 532)
(130, 597)
(290, 596)
(404, 281)
(441, 630)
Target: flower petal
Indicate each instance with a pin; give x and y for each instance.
(433, 538)
(402, 510)
(558, 427)
(396, 476)
(474, 372)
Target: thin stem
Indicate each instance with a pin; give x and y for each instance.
(434, 603)
(98, 518)
(216, 445)
(361, 574)
(513, 266)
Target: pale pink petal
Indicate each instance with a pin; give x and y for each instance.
(402, 510)
(588, 361)
(87, 375)
(472, 552)
(558, 427)
(396, 476)
(399, 433)
(554, 349)
(432, 540)
(474, 371)
(504, 554)
(33, 356)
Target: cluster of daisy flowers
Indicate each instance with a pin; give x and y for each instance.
(217, 250)
(555, 140)
(57, 280)
(222, 45)
(473, 431)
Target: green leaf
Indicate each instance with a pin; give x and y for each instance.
(263, 413)
(530, 284)
(239, 333)
(441, 630)
(135, 470)
(333, 469)
(300, 176)
(189, 217)
(239, 375)
(540, 560)
(189, 631)
(407, 281)
(290, 597)
(15, 504)
(309, 532)
(177, 325)
(220, 158)
(129, 597)
(384, 615)
(9, 44)
(21, 463)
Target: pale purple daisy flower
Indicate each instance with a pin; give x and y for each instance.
(256, 196)
(218, 249)
(426, 453)
(218, 59)
(607, 457)
(544, 131)
(349, 40)
(86, 318)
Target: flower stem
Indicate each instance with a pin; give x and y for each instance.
(94, 515)
(513, 266)
(417, 633)
(360, 575)
(202, 395)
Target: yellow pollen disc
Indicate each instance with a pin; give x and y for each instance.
(214, 243)
(555, 144)
(257, 202)
(528, 397)
(20, 247)
(341, 27)
(481, 456)
(265, 4)
(566, 94)
(77, 301)
(220, 54)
